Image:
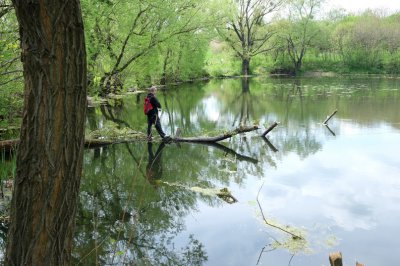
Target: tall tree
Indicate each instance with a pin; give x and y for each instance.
(123, 33)
(246, 30)
(50, 154)
(300, 30)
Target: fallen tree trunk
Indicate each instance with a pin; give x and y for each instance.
(8, 146)
(217, 138)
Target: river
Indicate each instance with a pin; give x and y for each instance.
(336, 186)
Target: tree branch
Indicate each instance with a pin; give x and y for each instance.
(268, 223)
(217, 138)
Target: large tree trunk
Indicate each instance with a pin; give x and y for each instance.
(245, 66)
(50, 154)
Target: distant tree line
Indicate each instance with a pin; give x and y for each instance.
(133, 44)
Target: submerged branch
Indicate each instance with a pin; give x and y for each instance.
(262, 251)
(294, 236)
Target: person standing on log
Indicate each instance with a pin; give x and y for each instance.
(152, 113)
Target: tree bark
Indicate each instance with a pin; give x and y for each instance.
(245, 66)
(50, 153)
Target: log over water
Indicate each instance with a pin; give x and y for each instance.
(226, 135)
(9, 146)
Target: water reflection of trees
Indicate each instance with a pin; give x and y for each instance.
(298, 132)
(123, 219)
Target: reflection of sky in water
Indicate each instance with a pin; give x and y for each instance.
(211, 105)
(348, 191)
(207, 110)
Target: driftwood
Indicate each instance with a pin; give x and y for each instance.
(329, 117)
(271, 127)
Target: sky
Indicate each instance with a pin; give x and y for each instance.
(361, 5)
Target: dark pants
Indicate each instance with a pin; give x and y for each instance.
(154, 119)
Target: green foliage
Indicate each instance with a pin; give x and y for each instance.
(391, 63)
(146, 42)
(366, 43)
(137, 43)
(11, 85)
(245, 28)
(8, 168)
(221, 60)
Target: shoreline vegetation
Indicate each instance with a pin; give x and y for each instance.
(94, 101)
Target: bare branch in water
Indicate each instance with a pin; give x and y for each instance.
(270, 224)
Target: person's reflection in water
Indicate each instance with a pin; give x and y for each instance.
(154, 165)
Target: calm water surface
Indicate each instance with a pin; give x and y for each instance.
(337, 186)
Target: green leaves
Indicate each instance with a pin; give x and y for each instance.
(147, 42)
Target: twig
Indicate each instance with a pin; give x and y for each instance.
(11, 80)
(290, 261)
(262, 251)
